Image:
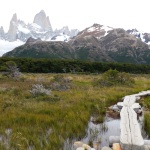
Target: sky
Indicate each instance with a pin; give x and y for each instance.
(80, 14)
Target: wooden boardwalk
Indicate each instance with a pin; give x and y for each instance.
(131, 138)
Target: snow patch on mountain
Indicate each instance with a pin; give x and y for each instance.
(143, 36)
(24, 30)
(106, 29)
(60, 37)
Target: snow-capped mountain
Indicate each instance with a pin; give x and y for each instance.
(145, 37)
(41, 27)
(96, 30)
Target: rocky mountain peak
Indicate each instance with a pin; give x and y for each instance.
(2, 33)
(32, 40)
(43, 21)
(12, 32)
(14, 18)
(145, 37)
(95, 30)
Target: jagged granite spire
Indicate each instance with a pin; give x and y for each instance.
(43, 21)
(12, 32)
(2, 33)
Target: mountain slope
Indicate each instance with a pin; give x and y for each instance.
(43, 49)
(124, 47)
(96, 43)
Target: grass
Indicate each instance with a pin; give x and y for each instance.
(38, 123)
(146, 103)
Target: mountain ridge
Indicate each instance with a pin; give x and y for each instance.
(40, 28)
(93, 44)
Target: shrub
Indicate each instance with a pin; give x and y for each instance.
(11, 70)
(38, 89)
(61, 83)
(114, 77)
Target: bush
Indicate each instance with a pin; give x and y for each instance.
(11, 70)
(61, 83)
(114, 77)
(38, 89)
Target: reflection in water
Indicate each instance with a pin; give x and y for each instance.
(98, 134)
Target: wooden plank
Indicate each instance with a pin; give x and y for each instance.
(130, 138)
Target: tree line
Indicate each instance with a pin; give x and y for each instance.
(32, 65)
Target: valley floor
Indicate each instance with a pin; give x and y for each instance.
(45, 121)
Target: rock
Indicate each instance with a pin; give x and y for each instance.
(96, 145)
(136, 105)
(116, 146)
(113, 114)
(115, 108)
(106, 148)
(2, 33)
(43, 21)
(12, 32)
(87, 147)
(78, 144)
(146, 147)
(120, 105)
(80, 148)
(32, 40)
(137, 108)
(138, 98)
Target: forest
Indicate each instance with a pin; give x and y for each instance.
(32, 65)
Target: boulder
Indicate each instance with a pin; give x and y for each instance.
(87, 147)
(78, 144)
(80, 148)
(106, 148)
(120, 105)
(116, 146)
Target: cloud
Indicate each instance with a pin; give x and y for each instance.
(80, 13)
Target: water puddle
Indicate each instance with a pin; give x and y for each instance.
(98, 134)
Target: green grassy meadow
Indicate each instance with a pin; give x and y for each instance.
(46, 122)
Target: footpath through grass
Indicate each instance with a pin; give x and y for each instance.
(46, 122)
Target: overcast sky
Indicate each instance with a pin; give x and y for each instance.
(80, 13)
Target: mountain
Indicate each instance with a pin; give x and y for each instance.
(2, 33)
(102, 43)
(95, 43)
(124, 47)
(145, 37)
(43, 49)
(43, 21)
(41, 27)
(87, 45)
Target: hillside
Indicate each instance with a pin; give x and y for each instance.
(35, 48)
(96, 43)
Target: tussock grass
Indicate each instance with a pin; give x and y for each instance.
(146, 103)
(42, 124)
